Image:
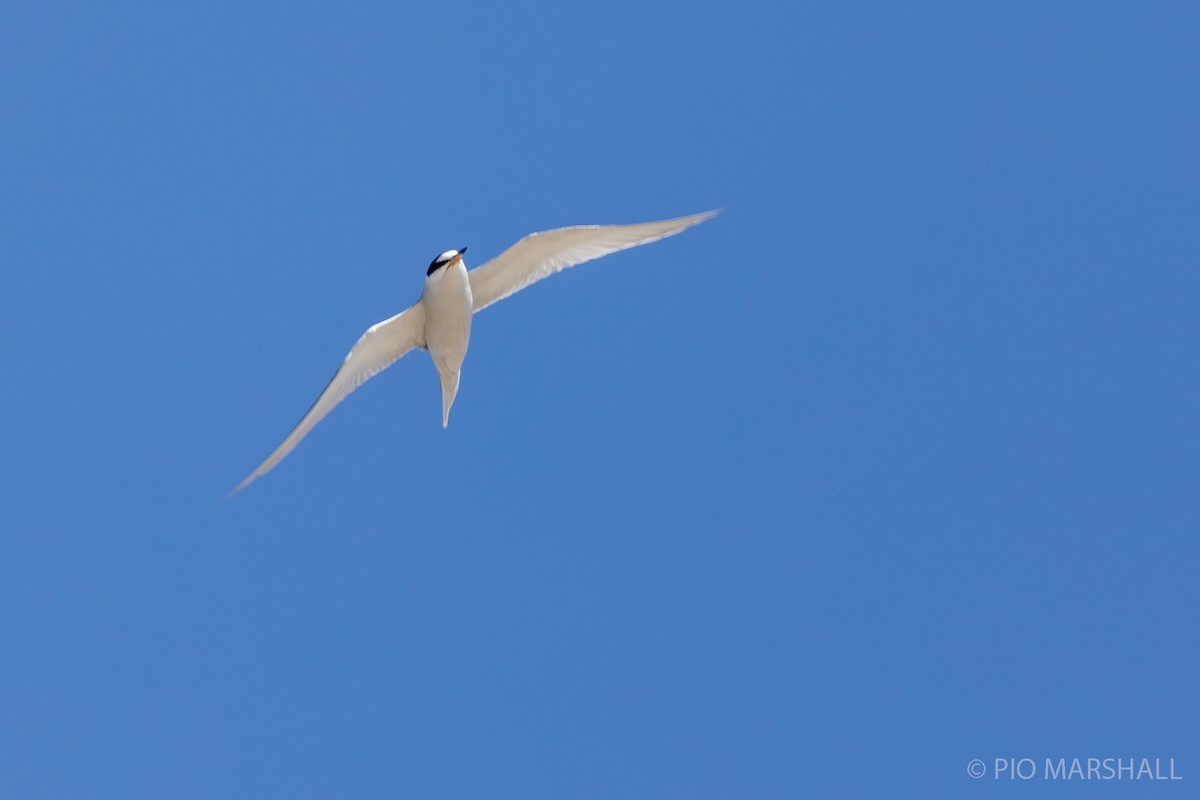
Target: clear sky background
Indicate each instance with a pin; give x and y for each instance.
(891, 466)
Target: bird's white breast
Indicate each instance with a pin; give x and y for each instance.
(448, 310)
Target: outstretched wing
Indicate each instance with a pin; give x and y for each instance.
(374, 352)
(540, 255)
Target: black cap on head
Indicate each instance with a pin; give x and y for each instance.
(443, 259)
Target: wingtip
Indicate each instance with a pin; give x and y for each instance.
(696, 219)
(249, 479)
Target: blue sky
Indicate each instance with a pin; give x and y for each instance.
(891, 466)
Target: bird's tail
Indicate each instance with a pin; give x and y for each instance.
(449, 390)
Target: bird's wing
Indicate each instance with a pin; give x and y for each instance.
(540, 255)
(374, 352)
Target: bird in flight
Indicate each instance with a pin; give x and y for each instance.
(440, 322)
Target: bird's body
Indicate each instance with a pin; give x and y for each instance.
(440, 321)
(448, 312)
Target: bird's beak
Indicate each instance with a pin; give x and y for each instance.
(458, 257)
